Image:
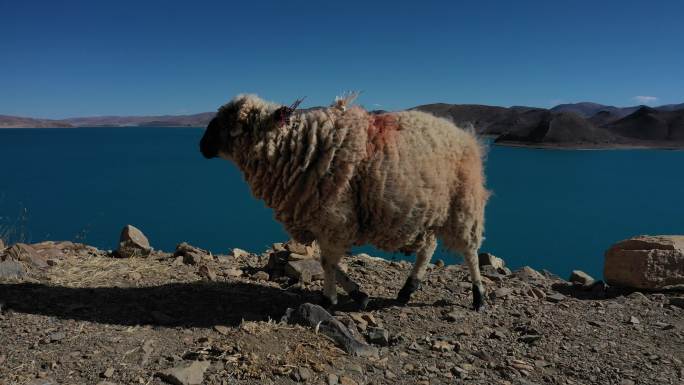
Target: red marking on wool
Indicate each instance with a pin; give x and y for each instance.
(381, 130)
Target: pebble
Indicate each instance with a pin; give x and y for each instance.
(580, 277)
(207, 273)
(634, 320)
(442, 346)
(186, 374)
(344, 380)
(378, 336)
(261, 276)
(108, 373)
(333, 379)
(232, 272)
(56, 336)
(555, 297)
(222, 329)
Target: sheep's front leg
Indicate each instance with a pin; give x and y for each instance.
(472, 260)
(413, 283)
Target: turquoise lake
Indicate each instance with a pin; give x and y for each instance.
(551, 209)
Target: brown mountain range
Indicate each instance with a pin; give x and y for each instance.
(583, 124)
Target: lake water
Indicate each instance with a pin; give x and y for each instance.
(551, 209)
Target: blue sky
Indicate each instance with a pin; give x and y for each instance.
(77, 58)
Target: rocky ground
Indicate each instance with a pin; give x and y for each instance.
(78, 315)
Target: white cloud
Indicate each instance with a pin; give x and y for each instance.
(645, 99)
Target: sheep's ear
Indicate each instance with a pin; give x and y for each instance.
(282, 115)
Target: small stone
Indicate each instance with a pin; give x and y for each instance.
(502, 292)
(530, 338)
(370, 318)
(498, 335)
(580, 277)
(305, 374)
(488, 259)
(261, 276)
(555, 297)
(222, 329)
(638, 296)
(108, 373)
(333, 379)
(135, 276)
(439, 263)
(305, 270)
(185, 374)
(232, 272)
(296, 247)
(537, 293)
(453, 316)
(528, 274)
(634, 320)
(378, 336)
(239, 253)
(344, 380)
(207, 273)
(442, 346)
(57, 336)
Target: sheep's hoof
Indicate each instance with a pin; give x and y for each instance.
(327, 304)
(360, 298)
(479, 304)
(411, 285)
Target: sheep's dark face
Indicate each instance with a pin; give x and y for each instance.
(223, 131)
(240, 124)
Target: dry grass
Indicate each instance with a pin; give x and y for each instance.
(106, 271)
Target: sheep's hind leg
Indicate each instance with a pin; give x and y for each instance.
(352, 288)
(330, 256)
(413, 282)
(475, 277)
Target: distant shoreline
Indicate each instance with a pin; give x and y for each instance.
(592, 147)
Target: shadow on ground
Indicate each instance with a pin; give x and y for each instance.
(177, 304)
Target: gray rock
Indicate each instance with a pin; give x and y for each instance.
(316, 317)
(378, 336)
(191, 255)
(304, 270)
(528, 274)
(11, 269)
(487, 259)
(555, 297)
(501, 292)
(646, 262)
(24, 253)
(185, 374)
(133, 243)
(580, 277)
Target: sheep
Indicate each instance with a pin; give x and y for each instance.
(343, 177)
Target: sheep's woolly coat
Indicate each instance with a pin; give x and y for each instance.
(345, 176)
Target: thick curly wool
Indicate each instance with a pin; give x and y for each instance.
(343, 176)
(397, 174)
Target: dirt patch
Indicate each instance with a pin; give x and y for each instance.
(90, 318)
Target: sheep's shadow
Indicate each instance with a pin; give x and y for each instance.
(196, 304)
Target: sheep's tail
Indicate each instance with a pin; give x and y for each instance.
(345, 100)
